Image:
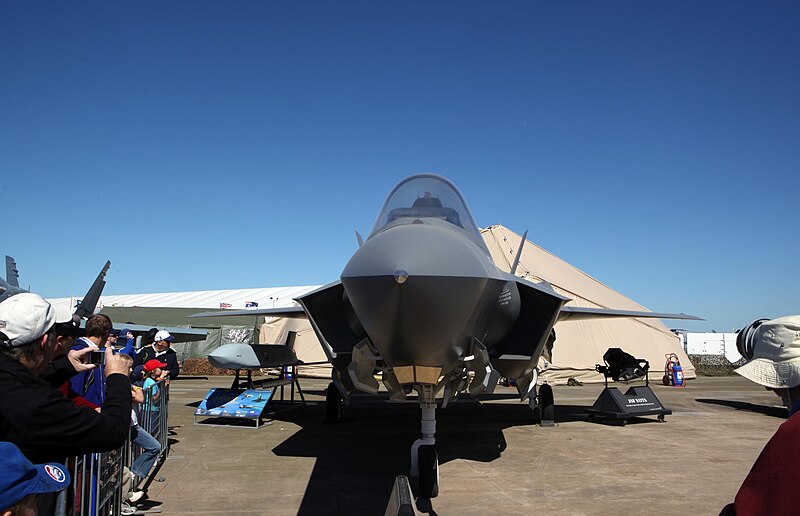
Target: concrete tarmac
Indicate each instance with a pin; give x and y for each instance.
(492, 458)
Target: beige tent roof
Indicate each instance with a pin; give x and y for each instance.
(579, 344)
(306, 344)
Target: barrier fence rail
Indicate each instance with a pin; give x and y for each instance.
(101, 481)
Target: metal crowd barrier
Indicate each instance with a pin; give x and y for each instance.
(101, 481)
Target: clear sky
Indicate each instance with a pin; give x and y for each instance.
(208, 145)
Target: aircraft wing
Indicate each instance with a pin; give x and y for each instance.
(289, 311)
(574, 313)
(180, 334)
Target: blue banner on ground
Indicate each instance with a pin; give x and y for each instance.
(247, 404)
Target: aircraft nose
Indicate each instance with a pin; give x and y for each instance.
(417, 291)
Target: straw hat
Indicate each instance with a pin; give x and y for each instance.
(776, 354)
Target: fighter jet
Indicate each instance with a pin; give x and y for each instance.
(10, 287)
(422, 302)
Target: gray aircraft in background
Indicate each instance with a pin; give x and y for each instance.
(10, 287)
(422, 302)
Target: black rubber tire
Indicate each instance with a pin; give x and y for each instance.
(428, 471)
(665, 380)
(547, 403)
(333, 404)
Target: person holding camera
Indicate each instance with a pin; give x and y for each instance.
(34, 415)
(774, 363)
(90, 385)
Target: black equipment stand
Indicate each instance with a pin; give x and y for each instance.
(636, 402)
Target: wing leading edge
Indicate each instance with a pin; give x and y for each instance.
(574, 313)
(289, 311)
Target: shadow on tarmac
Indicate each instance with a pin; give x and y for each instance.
(358, 459)
(774, 411)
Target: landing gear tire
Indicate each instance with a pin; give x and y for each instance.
(547, 403)
(333, 404)
(428, 471)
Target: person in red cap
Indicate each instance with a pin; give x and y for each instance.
(152, 373)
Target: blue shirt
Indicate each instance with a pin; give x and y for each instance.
(89, 384)
(151, 386)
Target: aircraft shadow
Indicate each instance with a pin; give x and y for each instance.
(779, 412)
(358, 459)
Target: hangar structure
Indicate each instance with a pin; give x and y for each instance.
(579, 344)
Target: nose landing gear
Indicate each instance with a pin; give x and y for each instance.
(424, 459)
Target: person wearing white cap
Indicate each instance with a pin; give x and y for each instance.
(34, 414)
(775, 363)
(161, 351)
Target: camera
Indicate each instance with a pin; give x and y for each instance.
(97, 357)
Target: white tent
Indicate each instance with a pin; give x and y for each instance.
(306, 344)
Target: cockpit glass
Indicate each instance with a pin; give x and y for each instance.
(423, 197)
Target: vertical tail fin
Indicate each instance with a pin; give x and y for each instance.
(12, 274)
(519, 253)
(92, 297)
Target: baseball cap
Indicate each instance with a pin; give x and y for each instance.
(137, 373)
(21, 477)
(164, 335)
(152, 364)
(776, 354)
(25, 317)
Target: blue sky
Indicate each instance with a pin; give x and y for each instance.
(207, 145)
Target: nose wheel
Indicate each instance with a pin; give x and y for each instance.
(424, 459)
(428, 472)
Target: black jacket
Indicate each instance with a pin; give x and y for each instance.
(47, 426)
(169, 357)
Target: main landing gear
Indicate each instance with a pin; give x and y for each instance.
(424, 459)
(543, 405)
(334, 404)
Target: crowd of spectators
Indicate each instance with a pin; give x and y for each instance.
(68, 392)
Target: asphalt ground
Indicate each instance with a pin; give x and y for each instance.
(493, 459)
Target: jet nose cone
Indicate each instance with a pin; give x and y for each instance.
(417, 291)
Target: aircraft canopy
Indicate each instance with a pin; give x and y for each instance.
(426, 196)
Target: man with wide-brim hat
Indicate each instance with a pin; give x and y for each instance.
(771, 484)
(775, 363)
